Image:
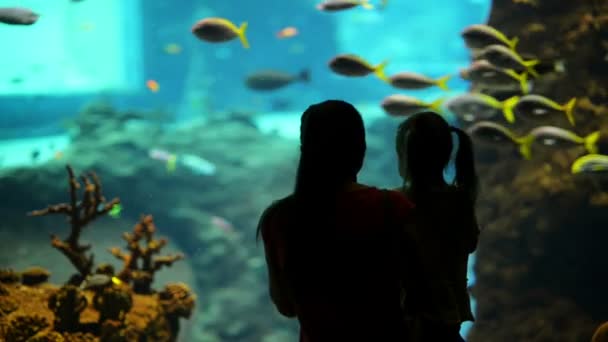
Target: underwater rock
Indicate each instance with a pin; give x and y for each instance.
(47, 336)
(34, 276)
(67, 303)
(178, 302)
(3, 290)
(7, 305)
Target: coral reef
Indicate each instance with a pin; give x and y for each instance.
(101, 307)
(143, 276)
(80, 213)
(67, 303)
(543, 235)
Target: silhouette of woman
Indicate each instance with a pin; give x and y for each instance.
(444, 228)
(327, 243)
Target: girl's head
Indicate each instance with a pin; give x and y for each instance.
(332, 145)
(424, 147)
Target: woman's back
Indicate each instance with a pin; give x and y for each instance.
(342, 268)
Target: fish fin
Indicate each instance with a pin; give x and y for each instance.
(507, 108)
(591, 142)
(436, 105)
(379, 71)
(171, 163)
(569, 110)
(523, 81)
(365, 4)
(525, 146)
(513, 43)
(442, 82)
(241, 33)
(304, 75)
(530, 67)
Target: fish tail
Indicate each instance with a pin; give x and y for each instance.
(513, 43)
(442, 82)
(591, 142)
(365, 4)
(241, 33)
(523, 82)
(525, 146)
(436, 105)
(304, 75)
(171, 163)
(507, 108)
(569, 110)
(530, 67)
(379, 71)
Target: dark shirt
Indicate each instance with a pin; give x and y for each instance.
(445, 232)
(348, 289)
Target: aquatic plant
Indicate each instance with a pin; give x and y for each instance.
(142, 277)
(80, 213)
(67, 303)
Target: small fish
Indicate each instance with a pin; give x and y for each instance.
(197, 164)
(35, 154)
(172, 49)
(479, 36)
(153, 86)
(538, 106)
(559, 137)
(17, 80)
(339, 5)
(222, 224)
(503, 57)
(96, 281)
(354, 66)
(219, 30)
(484, 73)
(58, 155)
(18, 16)
(591, 163)
(496, 134)
(165, 156)
(475, 106)
(115, 211)
(287, 32)
(410, 80)
(266, 80)
(403, 105)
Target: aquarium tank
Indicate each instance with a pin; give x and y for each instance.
(140, 141)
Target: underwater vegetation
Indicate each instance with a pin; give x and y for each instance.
(95, 304)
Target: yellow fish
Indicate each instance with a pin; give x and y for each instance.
(219, 30)
(354, 66)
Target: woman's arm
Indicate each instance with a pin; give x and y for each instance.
(280, 293)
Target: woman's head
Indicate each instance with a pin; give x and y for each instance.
(424, 146)
(332, 145)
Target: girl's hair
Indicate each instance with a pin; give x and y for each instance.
(424, 147)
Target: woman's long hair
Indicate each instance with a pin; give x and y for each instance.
(424, 147)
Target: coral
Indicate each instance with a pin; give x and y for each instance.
(105, 268)
(3, 290)
(67, 303)
(177, 301)
(79, 337)
(21, 328)
(34, 276)
(113, 303)
(9, 276)
(80, 213)
(47, 336)
(116, 331)
(143, 276)
(7, 305)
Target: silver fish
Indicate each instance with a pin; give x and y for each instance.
(484, 73)
(503, 57)
(410, 80)
(339, 5)
(402, 105)
(559, 137)
(478, 106)
(479, 36)
(500, 136)
(18, 16)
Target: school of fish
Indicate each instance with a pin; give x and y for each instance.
(496, 66)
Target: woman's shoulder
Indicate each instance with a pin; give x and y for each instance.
(276, 208)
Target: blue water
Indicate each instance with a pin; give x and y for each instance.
(419, 36)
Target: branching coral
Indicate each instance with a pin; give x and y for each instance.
(67, 304)
(80, 213)
(143, 276)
